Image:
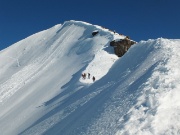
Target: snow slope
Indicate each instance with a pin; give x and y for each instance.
(42, 92)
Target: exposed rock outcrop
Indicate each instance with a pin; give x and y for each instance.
(121, 46)
(95, 32)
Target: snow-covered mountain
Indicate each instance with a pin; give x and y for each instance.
(42, 91)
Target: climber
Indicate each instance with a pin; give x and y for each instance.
(93, 78)
(84, 76)
(88, 75)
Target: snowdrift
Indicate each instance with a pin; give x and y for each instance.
(42, 91)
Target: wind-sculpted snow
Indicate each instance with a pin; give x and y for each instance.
(42, 91)
(156, 111)
(37, 69)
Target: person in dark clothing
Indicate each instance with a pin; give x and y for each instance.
(84, 76)
(88, 75)
(93, 78)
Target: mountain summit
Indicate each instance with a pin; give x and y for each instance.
(42, 90)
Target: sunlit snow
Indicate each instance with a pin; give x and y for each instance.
(42, 90)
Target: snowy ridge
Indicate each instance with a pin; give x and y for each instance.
(44, 59)
(42, 91)
(157, 110)
(36, 67)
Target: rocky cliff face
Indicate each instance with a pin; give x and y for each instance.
(121, 46)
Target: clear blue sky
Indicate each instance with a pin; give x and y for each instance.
(139, 19)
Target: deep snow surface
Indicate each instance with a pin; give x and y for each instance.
(42, 91)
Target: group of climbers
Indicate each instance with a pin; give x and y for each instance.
(89, 76)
